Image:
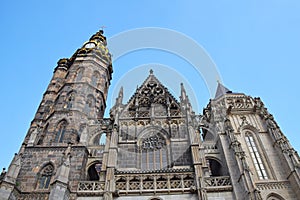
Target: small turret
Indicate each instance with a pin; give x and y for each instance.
(120, 97)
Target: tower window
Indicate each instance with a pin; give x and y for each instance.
(45, 177)
(60, 131)
(95, 79)
(79, 74)
(70, 101)
(258, 164)
(90, 104)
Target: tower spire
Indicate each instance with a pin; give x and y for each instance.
(120, 96)
(221, 90)
(183, 92)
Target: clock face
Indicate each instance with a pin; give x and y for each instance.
(90, 45)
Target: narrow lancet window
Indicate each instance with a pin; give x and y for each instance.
(60, 132)
(79, 74)
(95, 79)
(70, 101)
(258, 164)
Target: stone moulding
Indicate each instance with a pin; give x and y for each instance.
(273, 185)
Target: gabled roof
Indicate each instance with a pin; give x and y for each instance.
(221, 90)
(152, 82)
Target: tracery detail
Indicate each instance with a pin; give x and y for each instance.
(45, 177)
(153, 151)
(155, 142)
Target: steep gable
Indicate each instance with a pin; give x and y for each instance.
(151, 94)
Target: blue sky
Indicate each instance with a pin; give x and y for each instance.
(254, 44)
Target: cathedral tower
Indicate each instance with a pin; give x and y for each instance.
(247, 141)
(154, 147)
(55, 153)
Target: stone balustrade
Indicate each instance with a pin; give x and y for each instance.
(218, 183)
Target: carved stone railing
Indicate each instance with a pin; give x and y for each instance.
(90, 187)
(155, 183)
(143, 114)
(218, 183)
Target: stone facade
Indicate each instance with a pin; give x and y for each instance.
(153, 147)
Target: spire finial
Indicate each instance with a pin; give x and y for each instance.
(151, 71)
(102, 29)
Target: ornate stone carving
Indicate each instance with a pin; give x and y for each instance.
(153, 142)
(217, 181)
(136, 183)
(240, 102)
(90, 186)
(273, 185)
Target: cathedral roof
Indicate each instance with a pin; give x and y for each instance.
(155, 88)
(221, 90)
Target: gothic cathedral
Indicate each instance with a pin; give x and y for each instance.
(152, 148)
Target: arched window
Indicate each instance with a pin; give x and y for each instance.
(45, 177)
(90, 104)
(256, 158)
(274, 196)
(69, 100)
(153, 152)
(102, 139)
(95, 79)
(60, 131)
(94, 171)
(215, 167)
(79, 74)
(42, 136)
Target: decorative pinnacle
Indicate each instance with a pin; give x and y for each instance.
(102, 29)
(151, 71)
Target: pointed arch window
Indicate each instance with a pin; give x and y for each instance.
(42, 136)
(274, 196)
(79, 74)
(60, 132)
(90, 104)
(70, 100)
(102, 139)
(256, 158)
(154, 152)
(94, 170)
(95, 79)
(45, 177)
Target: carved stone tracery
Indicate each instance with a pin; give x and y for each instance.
(153, 142)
